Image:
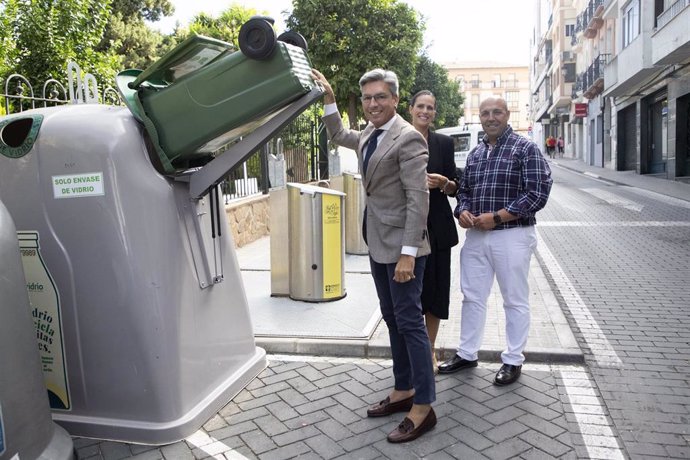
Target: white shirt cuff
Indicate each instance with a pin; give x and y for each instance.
(329, 109)
(409, 251)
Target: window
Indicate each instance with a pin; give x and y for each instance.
(569, 30)
(475, 100)
(511, 82)
(631, 21)
(497, 80)
(475, 80)
(512, 99)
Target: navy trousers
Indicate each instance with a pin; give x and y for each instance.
(401, 309)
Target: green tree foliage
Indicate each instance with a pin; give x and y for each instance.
(44, 35)
(150, 10)
(434, 77)
(349, 37)
(225, 27)
(128, 35)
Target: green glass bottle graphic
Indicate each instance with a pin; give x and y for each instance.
(45, 311)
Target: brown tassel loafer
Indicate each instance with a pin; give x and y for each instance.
(386, 407)
(406, 431)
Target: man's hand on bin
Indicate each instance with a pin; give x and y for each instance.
(329, 96)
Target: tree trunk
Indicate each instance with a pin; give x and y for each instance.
(352, 110)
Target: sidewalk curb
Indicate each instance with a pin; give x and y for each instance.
(359, 348)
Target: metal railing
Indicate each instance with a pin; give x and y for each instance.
(588, 12)
(671, 12)
(595, 71)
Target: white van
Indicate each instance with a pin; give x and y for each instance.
(465, 138)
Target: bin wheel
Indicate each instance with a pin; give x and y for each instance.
(293, 38)
(257, 38)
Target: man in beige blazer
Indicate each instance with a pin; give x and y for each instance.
(393, 158)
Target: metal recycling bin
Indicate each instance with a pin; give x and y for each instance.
(355, 201)
(316, 243)
(26, 428)
(143, 313)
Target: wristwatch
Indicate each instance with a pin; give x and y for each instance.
(497, 218)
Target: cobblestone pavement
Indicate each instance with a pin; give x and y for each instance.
(310, 407)
(616, 255)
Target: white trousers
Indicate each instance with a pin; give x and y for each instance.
(506, 255)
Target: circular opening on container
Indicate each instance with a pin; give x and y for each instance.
(15, 133)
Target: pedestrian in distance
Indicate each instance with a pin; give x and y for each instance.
(393, 159)
(560, 144)
(551, 146)
(443, 234)
(506, 181)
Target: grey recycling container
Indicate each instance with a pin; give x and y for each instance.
(140, 310)
(355, 201)
(141, 317)
(316, 243)
(26, 428)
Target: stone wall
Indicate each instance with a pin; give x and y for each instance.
(248, 218)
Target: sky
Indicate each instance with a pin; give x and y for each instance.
(456, 30)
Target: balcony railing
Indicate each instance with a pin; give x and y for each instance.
(671, 12)
(593, 77)
(475, 83)
(591, 22)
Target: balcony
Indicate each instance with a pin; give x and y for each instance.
(592, 18)
(671, 41)
(593, 77)
(631, 66)
(475, 84)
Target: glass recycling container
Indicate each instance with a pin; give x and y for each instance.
(150, 332)
(23, 397)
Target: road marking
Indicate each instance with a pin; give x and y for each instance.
(591, 416)
(578, 223)
(213, 447)
(667, 200)
(596, 340)
(614, 199)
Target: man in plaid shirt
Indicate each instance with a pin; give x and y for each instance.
(506, 181)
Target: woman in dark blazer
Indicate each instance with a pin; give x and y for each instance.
(443, 234)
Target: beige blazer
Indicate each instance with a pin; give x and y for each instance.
(395, 184)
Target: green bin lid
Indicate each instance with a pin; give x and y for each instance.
(192, 54)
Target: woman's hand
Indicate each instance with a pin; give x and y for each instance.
(434, 180)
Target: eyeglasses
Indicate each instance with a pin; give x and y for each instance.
(377, 97)
(495, 112)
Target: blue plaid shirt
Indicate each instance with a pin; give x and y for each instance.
(514, 176)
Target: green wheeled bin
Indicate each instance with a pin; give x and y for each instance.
(204, 95)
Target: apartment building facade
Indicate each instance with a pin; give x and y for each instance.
(479, 80)
(628, 107)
